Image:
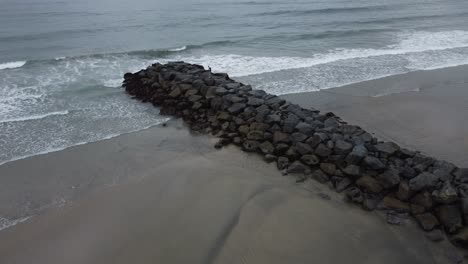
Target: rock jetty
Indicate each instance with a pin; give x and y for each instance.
(310, 144)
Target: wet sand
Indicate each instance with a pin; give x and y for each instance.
(424, 110)
(165, 196)
(189, 203)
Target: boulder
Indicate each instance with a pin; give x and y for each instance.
(236, 108)
(342, 147)
(290, 123)
(310, 159)
(342, 184)
(450, 217)
(314, 140)
(322, 151)
(374, 163)
(297, 137)
(427, 221)
(461, 238)
(282, 163)
(394, 204)
(297, 167)
(446, 195)
(319, 176)
(404, 192)
(358, 153)
(266, 147)
(389, 178)
(280, 137)
(328, 168)
(255, 135)
(354, 195)
(387, 148)
(304, 128)
(250, 145)
(369, 184)
(303, 148)
(269, 158)
(424, 180)
(423, 199)
(352, 170)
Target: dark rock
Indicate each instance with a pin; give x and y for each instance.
(354, 195)
(310, 159)
(396, 219)
(423, 199)
(343, 184)
(322, 151)
(314, 140)
(273, 118)
(281, 148)
(304, 128)
(223, 116)
(331, 123)
(319, 176)
(358, 153)
(387, 148)
(290, 123)
(280, 137)
(269, 158)
(435, 235)
(395, 204)
(450, 217)
(255, 101)
(342, 147)
(324, 196)
(461, 239)
(292, 153)
(255, 135)
(352, 170)
(427, 221)
(250, 145)
(423, 181)
(266, 147)
(297, 167)
(328, 168)
(417, 209)
(244, 129)
(175, 93)
(236, 108)
(464, 208)
(303, 148)
(404, 192)
(446, 195)
(389, 178)
(408, 172)
(297, 137)
(370, 203)
(374, 163)
(369, 184)
(282, 163)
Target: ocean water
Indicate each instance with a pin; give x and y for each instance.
(62, 62)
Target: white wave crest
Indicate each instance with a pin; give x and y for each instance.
(12, 65)
(417, 42)
(113, 82)
(6, 223)
(34, 117)
(179, 49)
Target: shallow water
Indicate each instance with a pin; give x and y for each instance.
(61, 62)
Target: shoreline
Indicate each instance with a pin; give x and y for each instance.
(358, 89)
(86, 174)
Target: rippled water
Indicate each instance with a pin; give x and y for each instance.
(61, 62)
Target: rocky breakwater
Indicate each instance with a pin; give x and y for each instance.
(312, 145)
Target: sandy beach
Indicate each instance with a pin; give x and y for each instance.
(163, 195)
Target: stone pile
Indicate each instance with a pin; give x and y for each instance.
(309, 144)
